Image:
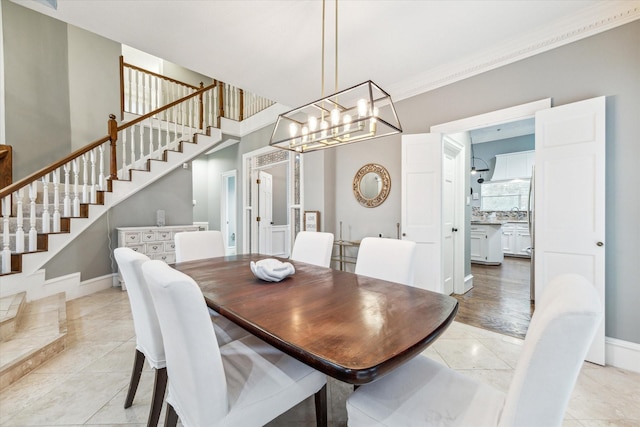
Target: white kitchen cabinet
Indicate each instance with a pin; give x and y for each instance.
(486, 244)
(516, 239)
(513, 166)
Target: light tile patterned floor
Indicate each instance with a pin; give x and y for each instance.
(87, 383)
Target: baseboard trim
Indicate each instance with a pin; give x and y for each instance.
(622, 354)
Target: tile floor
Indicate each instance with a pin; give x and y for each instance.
(87, 383)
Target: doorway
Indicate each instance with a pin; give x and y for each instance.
(271, 201)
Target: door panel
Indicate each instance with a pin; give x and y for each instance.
(421, 207)
(570, 198)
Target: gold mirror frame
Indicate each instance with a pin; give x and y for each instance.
(384, 190)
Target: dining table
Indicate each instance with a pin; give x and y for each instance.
(351, 327)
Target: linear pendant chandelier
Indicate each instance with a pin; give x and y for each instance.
(362, 112)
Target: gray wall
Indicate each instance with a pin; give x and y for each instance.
(36, 88)
(94, 79)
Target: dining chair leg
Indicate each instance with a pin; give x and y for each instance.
(138, 363)
(171, 420)
(321, 407)
(159, 388)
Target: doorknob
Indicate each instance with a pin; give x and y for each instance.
(600, 244)
(454, 229)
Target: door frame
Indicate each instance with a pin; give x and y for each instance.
(518, 112)
(456, 150)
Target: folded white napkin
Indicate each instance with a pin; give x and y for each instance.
(272, 270)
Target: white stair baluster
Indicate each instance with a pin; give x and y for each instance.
(46, 217)
(33, 233)
(152, 149)
(101, 179)
(66, 210)
(19, 221)
(56, 201)
(141, 135)
(76, 196)
(85, 178)
(132, 144)
(92, 187)
(6, 252)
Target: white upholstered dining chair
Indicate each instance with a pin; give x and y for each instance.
(149, 343)
(386, 259)
(193, 245)
(244, 383)
(313, 247)
(423, 392)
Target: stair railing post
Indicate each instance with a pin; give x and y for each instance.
(220, 103)
(113, 138)
(241, 106)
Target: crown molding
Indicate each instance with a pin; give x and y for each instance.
(601, 17)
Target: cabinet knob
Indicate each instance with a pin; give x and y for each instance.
(600, 244)
(454, 229)
(404, 234)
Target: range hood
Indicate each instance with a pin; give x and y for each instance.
(513, 166)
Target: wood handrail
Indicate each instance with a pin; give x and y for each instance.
(42, 172)
(133, 67)
(112, 136)
(166, 107)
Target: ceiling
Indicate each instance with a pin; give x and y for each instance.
(273, 48)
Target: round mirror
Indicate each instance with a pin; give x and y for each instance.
(371, 185)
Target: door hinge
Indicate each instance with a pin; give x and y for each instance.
(258, 218)
(258, 181)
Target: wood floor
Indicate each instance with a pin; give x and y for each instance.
(499, 300)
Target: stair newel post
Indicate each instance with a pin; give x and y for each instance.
(132, 146)
(220, 103)
(113, 138)
(56, 200)
(76, 191)
(46, 217)
(201, 108)
(6, 252)
(19, 221)
(67, 199)
(33, 233)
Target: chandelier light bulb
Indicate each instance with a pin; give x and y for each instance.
(293, 129)
(362, 107)
(313, 123)
(346, 120)
(324, 125)
(335, 117)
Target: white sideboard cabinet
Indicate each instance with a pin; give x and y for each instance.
(154, 242)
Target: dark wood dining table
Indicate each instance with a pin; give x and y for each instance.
(348, 326)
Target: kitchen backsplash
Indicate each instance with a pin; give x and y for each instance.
(478, 215)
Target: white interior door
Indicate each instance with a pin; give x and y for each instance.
(570, 199)
(265, 203)
(421, 205)
(448, 221)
